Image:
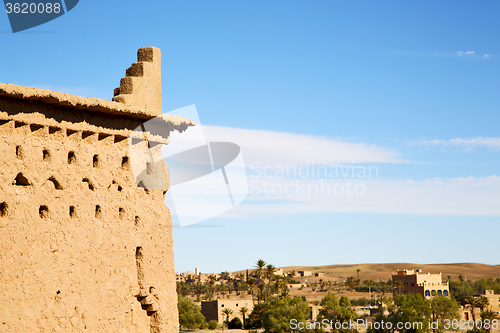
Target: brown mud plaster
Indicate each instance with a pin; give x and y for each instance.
(82, 247)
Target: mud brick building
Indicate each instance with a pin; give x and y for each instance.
(85, 242)
(414, 281)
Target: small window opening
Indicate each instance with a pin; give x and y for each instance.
(103, 136)
(44, 212)
(71, 157)
(120, 188)
(125, 162)
(19, 124)
(21, 180)
(141, 185)
(91, 186)
(35, 127)
(19, 152)
(4, 209)
(70, 132)
(54, 181)
(121, 213)
(86, 134)
(46, 155)
(54, 130)
(98, 211)
(95, 161)
(119, 138)
(72, 211)
(138, 253)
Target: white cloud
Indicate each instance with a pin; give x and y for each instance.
(281, 192)
(461, 53)
(285, 149)
(458, 142)
(486, 56)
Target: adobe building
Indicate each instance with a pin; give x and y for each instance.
(492, 305)
(212, 310)
(83, 248)
(305, 273)
(413, 281)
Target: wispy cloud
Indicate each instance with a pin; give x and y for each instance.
(459, 142)
(280, 148)
(440, 54)
(461, 53)
(287, 178)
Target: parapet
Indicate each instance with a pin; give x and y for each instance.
(141, 85)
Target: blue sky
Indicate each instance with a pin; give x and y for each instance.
(408, 87)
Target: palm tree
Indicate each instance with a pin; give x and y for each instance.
(270, 270)
(490, 316)
(243, 312)
(473, 303)
(260, 292)
(260, 264)
(482, 302)
(278, 283)
(223, 289)
(251, 287)
(357, 271)
(227, 312)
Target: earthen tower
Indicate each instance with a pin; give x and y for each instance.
(86, 245)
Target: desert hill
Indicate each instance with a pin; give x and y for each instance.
(383, 272)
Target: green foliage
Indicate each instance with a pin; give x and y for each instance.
(351, 282)
(414, 308)
(444, 308)
(227, 312)
(189, 314)
(280, 312)
(336, 310)
(212, 324)
(363, 301)
(235, 323)
(255, 318)
(461, 290)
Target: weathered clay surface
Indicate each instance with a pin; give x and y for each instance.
(82, 247)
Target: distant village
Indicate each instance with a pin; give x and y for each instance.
(228, 297)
